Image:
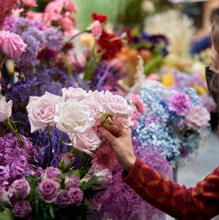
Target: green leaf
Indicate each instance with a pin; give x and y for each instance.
(52, 211)
(6, 215)
(88, 185)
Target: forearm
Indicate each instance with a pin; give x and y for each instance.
(171, 198)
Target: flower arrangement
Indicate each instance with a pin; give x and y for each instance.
(175, 121)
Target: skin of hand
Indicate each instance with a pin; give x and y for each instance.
(121, 141)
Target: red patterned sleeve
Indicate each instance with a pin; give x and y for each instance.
(200, 202)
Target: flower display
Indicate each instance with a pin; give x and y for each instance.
(5, 109)
(170, 122)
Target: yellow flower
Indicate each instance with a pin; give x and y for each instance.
(167, 79)
(200, 90)
(87, 40)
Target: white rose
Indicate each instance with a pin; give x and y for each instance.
(73, 117)
(75, 93)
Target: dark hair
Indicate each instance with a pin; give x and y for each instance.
(215, 28)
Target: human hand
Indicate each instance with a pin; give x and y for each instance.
(121, 142)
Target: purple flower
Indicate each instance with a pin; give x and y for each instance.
(52, 173)
(4, 174)
(64, 198)
(48, 189)
(22, 208)
(72, 181)
(54, 39)
(20, 189)
(179, 103)
(76, 195)
(66, 161)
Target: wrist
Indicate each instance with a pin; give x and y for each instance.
(129, 163)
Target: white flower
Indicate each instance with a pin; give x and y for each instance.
(75, 93)
(5, 109)
(73, 117)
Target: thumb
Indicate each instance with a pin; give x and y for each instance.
(106, 134)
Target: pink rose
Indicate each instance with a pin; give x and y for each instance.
(116, 105)
(29, 3)
(97, 29)
(95, 107)
(74, 93)
(41, 110)
(197, 117)
(5, 109)
(11, 44)
(69, 6)
(86, 142)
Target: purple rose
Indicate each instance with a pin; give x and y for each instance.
(4, 174)
(72, 181)
(22, 208)
(49, 189)
(66, 161)
(20, 188)
(64, 198)
(179, 103)
(76, 195)
(52, 173)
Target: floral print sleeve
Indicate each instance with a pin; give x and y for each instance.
(197, 203)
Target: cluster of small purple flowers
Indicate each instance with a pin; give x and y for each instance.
(35, 38)
(16, 161)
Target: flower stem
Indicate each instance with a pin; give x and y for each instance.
(14, 130)
(61, 143)
(50, 142)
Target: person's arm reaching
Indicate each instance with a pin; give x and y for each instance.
(200, 202)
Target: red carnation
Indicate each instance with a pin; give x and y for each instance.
(109, 44)
(99, 17)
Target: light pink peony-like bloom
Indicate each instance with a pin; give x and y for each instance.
(29, 3)
(35, 16)
(97, 29)
(41, 110)
(197, 117)
(73, 117)
(86, 142)
(5, 109)
(11, 44)
(116, 105)
(74, 93)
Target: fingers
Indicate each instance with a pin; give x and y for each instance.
(116, 131)
(108, 136)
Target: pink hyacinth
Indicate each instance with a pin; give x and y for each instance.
(11, 44)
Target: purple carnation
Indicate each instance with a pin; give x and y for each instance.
(64, 198)
(20, 189)
(22, 208)
(76, 195)
(52, 173)
(179, 103)
(49, 190)
(72, 181)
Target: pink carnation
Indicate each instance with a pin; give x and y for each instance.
(138, 104)
(11, 44)
(197, 117)
(29, 3)
(97, 30)
(6, 6)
